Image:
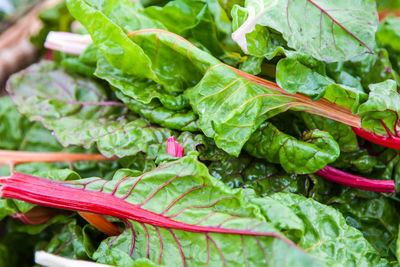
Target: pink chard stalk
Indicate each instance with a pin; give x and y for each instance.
(174, 148)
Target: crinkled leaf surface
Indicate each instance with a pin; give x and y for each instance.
(326, 30)
(203, 21)
(342, 133)
(307, 76)
(380, 114)
(377, 219)
(142, 90)
(329, 234)
(359, 161)
(120, 50)
(184, 120)
(313, 153)
(78, 112)
(183, 191)
(364, 70)
(232, 108)
(68, 242)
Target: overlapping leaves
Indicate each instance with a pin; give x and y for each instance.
(326, 30)
(186, 193)
(79, 112)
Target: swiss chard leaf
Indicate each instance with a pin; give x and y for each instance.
(188, 206)
(83, 115)
(68, 242)
(184, 120)
(307, 76)
(380, 114)
(388, 33)
(119, 49)
(323, 235)
(203, 21)
(326, 30)
(342, 133)
(221, 105)
(183, 196)
(142, 90)
(377, 218)
(313, 153)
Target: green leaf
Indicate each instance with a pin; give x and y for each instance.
(203, 21)
(307, 76)
(252, 65)
(120, 50)
(326, 30)
(358, 161)
(377, 219)
(342, 133)
(68, 242)
(390, 159)
(313, 153)
(380, 114)
(78, 112)
(230, 110)
(364, 70)
(388, 5)
(264, 178)
(266, 42)
(388, 33)
(184, 120)
(142, 90)
(190, 196)
(7, 207)
(326, 233)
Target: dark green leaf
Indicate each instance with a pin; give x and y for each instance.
(313, 153)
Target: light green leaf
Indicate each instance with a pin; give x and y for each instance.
(328, 236)
(78, 112)
(326, 30)
(380, 114)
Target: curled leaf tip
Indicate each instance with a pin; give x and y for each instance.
(174, 148)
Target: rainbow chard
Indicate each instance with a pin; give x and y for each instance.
(178, 205)
(230, 111)
(116, 137)
(77, 110)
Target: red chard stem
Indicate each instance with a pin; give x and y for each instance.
(59, 195)
(391, 141)
(347, 179)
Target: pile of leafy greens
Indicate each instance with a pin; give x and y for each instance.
(265, 96)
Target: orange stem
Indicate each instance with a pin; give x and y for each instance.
(385, 13)
(101, 223)
(16, 157)
(320, 107)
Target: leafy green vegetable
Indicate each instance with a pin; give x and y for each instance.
(230, 210)
(380, 113)
(307, 76)
(316, 149)
(329, 31)
(83, 116)
(252, 188)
